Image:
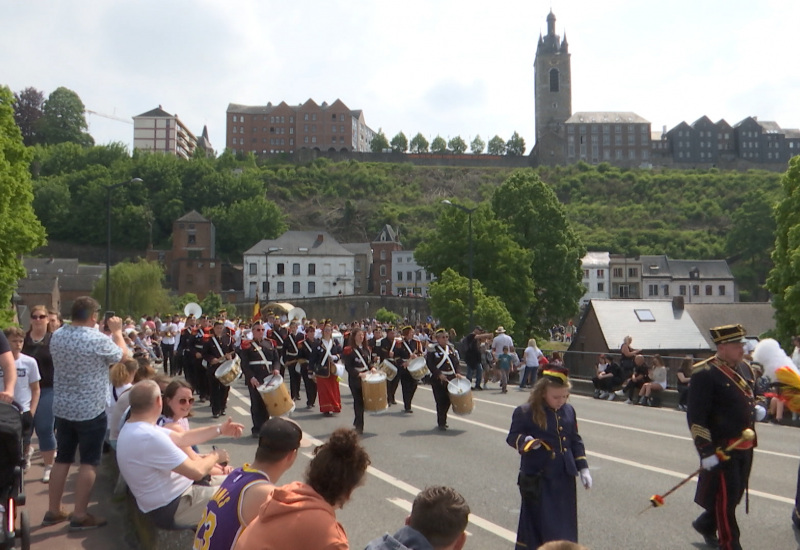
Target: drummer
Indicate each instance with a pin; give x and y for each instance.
(291, 353)
(259, 360)
(442, 361)
(218, 349)
(407, 350)
(386, 352)
(278, 336)
(356, 362)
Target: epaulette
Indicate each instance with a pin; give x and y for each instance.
(702, 365)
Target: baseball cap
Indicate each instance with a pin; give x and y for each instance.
(281, 435)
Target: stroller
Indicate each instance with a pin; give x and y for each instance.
(11, 480)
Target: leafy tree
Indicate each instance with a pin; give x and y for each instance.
(515, 147)
(784, 279)
(379, 142)
(244, 223)
(212, 303)
(63, 119)
(399, 143)
(27, 112)
(750, 242)
(179, 302)
(136, 289)
(449, 300)
(419, 144)
(497, 146)
(477, 145)
(538, 222)
(385, 316)
(457, 145)
(20, 230)
(438, 145)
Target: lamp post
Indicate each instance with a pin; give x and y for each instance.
(110, 188)
(469, 212)
(266, 270)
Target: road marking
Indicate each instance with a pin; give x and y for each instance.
(476, 520)
(240, 410)
(403, 504)
(240, 395)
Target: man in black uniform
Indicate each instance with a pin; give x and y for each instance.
(218, 349)
(472, 354)
(259, 360)
(278, 336)
(198, 342)
(404, 352)
(720, 409)
(306, 346)
(291, 353)
(386, 352)
(442, 361)
(183, 352)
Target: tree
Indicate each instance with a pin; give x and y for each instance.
(383, 315)
(784, 279)
(419, 144)
(244, 223)
(63, 119)
(399, 143)
(212, 303)
(749, 244)
(457, 145)
(477, 145)
(136, 289)
(379, 142)
(449, 300)
(27, 112)
(497, 146)
(20, 230)
(515, 147)
(538, 222)
(438, 145)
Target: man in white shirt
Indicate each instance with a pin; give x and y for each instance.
(169, 337)
(501, 341)
(159, 474)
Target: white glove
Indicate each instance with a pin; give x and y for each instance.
(533, 447)
(709, 462)
(586, 478)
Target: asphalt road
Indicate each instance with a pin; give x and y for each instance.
(634, 452)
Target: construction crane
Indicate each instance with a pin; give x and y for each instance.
(112, 117)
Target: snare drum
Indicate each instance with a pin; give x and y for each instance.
(373, 387)
(418, 369)
(229, 371)
(275, 396)
(460, 390)
(388, 368)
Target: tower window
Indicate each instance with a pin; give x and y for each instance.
(553, 80)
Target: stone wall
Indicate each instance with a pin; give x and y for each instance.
(349, 308)
(303, 156)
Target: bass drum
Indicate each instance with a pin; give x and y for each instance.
(229, 371)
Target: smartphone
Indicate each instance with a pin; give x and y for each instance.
(108, 315)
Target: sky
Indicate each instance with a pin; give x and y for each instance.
(439, 67)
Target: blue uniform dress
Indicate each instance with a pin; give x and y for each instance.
(222, 521)
(549, 508)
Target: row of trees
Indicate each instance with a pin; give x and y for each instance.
(58, 119)
(400, 144)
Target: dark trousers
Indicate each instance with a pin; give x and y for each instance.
(442, 398)
(358, 403)
(201, 379)
(719, 491)
(311, 386)
(218, 393)
(409, 386)
(258, 410)
(796, 512)
(604, 384)
(391, 388)
(527, 376)
(168, 353)
(294, 379)
(683, 394)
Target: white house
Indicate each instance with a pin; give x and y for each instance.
(407, 276)
(298, 264)
(596, 277)
(697, 281)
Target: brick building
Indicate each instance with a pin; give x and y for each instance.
(158, 131)
(621, 138)
(383, 246)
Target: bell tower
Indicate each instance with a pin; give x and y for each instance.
(553, 94)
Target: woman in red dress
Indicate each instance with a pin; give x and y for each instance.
(324, 354)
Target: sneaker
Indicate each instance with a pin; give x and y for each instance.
(628, 402)
(28, 455)
(46, 474)
(709, 538)
(602, 395)
(51, 519)
(611, 396)
(479, 388)
(596, 394)
(88, 522)
(620, 393)
(408, 411)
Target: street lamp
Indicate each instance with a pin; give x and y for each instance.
(110, 188)
(469, 212)
(266, 270)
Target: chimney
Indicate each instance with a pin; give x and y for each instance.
(677, 303)
(320, 238)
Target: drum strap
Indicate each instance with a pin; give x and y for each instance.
(219, 349)
(360, 358)
(261, 353)
(328, 345)
(408, 348)
(445, 359)
(294, 345)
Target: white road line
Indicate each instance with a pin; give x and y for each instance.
(240, 395)
(240, 410)
(405, 505)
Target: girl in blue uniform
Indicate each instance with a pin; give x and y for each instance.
(545, 433)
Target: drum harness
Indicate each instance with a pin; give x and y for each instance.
(445, 359)
(364, 366)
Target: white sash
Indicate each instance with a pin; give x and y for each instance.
(445, 359)
(219, 349)
(328, 345)
(363, 363)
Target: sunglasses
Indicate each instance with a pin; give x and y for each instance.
(38, 317)
(258, 330)
(183, 400)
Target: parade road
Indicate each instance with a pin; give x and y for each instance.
(634, 452)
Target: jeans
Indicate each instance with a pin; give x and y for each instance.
(45, 422)
(525, 374)
(477, 370)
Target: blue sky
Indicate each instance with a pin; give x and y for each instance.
(438, 66)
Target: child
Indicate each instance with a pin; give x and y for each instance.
(504, 366)
(26, 392)
(545, 433)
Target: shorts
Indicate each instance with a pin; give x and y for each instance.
(27, 428)
(86, 436)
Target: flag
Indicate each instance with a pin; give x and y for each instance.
(256, 309)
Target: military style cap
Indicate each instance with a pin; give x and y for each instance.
(727, 334)
(440, 331)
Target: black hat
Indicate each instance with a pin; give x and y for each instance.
(281, 435)
(478, 328)
(728, 334)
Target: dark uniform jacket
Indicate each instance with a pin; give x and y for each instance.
(256, 366)
(355, 363)
(436, 364)
(211, 352)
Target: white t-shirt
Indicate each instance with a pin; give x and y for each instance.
(500, 341)
(172, 328)
(531, 356)
(146, 456)
(27, 374)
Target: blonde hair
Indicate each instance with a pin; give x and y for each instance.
(537, 400)
(120, 373)
(532, 343)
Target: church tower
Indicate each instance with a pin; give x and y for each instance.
(553, 95)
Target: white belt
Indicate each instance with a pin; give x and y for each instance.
(258, 362)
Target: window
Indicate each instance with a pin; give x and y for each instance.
(632, 154)
(695, 290)
(624, 291)
(652, 290)
(409, 276)
(601, 287)
(722, 290)
(312, 287)
(234, 119)
(295, 269)
(280, 287)
(312, 269)
(601, 273)
(709, 290)
(618, 140)
(399, 275)
(666, 290)
(618, 272)
(631, 139)
(296, 287)
(383, 254)
(682, 290)
(633, 272)
(253, 269)
(305, 116)
(195, 254)
(189, 280)
(383, 271)
(585, 273)
(399, 259)
(645, 315)
(264, 286)
(554, 80)
(281, 269)
(419, 275)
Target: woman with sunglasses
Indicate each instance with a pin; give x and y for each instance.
(37, 345)
(175, 415)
